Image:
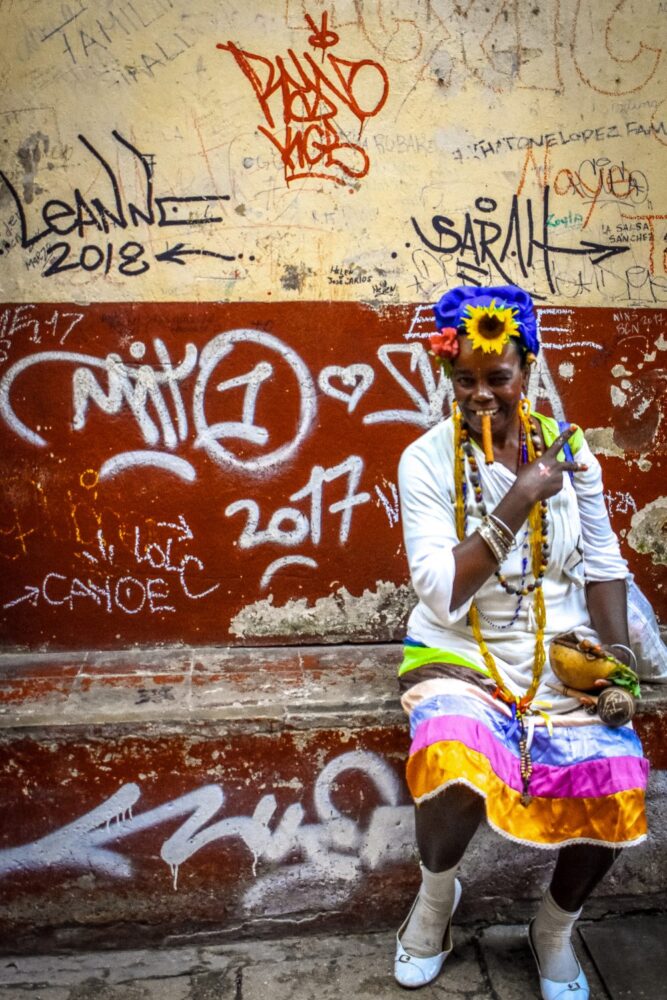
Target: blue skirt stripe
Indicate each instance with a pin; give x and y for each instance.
(567, 745)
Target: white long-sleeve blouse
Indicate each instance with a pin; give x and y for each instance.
(582, 545)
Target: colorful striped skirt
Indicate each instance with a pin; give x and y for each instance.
(587, 784)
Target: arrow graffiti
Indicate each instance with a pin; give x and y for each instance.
(335, 842)
(175, 254)
(181, 527)
(596, 251)
(485, 246)
(31, 594)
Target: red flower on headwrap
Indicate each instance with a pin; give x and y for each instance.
(444, 344)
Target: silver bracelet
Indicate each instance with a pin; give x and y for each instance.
(501, 524)
(619, 645)
(500, 536)
(484, 531)
(495, 542)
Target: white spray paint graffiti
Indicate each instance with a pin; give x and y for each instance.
(391, 507)
(303, 528)
(334, 845)
(113, 588)
(136, 387)
(281, 563)
(208, 437)
(540, 382)
(289, 526)
(352, 467)
(359, 378)
(20, 322)
(429, 407)
(422, 323)
(157, 459)
(154, 398)
(621, 501)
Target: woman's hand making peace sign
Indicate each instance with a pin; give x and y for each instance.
(534, 482)
(543, 478)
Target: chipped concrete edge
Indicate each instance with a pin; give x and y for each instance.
(333, 617)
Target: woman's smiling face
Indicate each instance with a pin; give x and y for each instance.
(488, 383)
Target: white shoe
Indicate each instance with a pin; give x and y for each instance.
(576, 989)
(413, 972)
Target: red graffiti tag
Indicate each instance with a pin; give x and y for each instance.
(317, 104)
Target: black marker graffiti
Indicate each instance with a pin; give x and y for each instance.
(484, 245)
(79, 215)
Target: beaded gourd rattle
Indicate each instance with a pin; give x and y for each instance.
(580, 664)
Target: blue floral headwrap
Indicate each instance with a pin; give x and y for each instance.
(489, 316)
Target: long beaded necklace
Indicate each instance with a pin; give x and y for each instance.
(520, 590)
(523, 590)
(539, 550)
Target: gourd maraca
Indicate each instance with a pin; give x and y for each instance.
(580, 663)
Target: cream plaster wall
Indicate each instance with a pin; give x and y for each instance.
(441, 125)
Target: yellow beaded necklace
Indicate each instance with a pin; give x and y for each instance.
(536, 541)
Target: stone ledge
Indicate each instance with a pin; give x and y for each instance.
(257, 685)
(174, 684)
(264, 793)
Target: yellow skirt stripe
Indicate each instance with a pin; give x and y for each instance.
(612, 820)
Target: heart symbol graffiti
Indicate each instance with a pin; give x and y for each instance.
(358, 378)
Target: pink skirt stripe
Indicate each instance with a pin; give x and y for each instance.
(587, 779)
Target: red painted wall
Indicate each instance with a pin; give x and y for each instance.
(158, 459)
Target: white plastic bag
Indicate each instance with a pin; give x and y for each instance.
(645, 639)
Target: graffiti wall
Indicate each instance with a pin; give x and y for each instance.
(220, 229)
(158, 150)
(170, 482)
(263, 836)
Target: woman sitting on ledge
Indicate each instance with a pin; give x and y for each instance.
(509, 544)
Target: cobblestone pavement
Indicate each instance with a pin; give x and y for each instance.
(489, 964)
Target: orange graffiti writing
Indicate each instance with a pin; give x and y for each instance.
(650, 219)
(310, 109)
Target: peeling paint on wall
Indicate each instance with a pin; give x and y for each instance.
(333, 848)
(601, 442)
(648, 533)
(376, 613)
(294, 162)
(169, 465)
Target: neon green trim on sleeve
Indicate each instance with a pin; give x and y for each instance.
(419, 656)
(551, 432)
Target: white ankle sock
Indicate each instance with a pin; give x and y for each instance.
(428, 922)
(552, 939)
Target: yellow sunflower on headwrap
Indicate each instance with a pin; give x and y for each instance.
(490, 327)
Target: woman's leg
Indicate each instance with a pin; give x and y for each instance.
(445, 825)
(579, 868)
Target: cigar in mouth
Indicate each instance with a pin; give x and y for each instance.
(487, 441)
